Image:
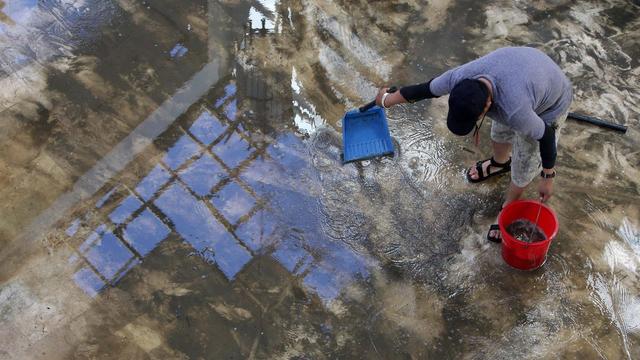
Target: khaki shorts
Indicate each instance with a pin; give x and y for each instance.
(525, 154)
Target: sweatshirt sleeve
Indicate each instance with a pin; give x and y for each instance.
(548, 151)
(527, 122)
(531, 125)
(436, 87)
(443, 84)
(413, 93)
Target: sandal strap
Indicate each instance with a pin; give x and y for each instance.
(501, 168)
(480, 170)
(496, 239)
(494, 163)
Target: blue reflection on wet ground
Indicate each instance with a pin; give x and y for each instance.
(233, 202)
(207, 128)
(125, 209)
(88, 281)
(229, 91)
(257, 232)
(105, 198)
(202, 175)
(292, 256)
(184, 149)
(178, 51)
(195, 223)
(233, 150)
(212, 191)
(73, 227)
(231, 109)
(153, 181)
(108, 255)
(145, 232)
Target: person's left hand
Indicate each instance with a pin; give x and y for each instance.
(545, 189)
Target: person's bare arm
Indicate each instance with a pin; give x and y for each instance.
(407, 94)
(391, 99)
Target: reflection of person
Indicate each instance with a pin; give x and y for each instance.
(527, 96)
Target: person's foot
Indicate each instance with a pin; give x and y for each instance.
(488, 169)
(494, 234)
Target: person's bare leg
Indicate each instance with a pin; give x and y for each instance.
(501, 154)
(501, 151)
(514, 192)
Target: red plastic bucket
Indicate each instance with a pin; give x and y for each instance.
(519, 254)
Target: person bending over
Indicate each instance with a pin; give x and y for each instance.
(527, 96)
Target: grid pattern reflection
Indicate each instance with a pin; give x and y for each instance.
(194, 191)
(210, 188)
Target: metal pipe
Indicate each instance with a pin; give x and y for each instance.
(598, 122)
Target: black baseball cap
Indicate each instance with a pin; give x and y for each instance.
(466, 103)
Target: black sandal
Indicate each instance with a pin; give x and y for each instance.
(504, 168)
(495, 239)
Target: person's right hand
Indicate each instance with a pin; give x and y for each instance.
(381, 92)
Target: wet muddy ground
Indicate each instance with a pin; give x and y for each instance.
(172, 186)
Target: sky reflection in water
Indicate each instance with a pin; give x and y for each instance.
(211, 189)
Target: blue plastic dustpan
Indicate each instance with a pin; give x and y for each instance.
(365, 135)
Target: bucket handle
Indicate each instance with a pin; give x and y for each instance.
(535, 224)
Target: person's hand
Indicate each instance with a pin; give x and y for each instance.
(381, 92)
(545, 189)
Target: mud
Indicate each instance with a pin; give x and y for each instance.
(527, 231)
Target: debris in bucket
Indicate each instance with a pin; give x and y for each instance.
(521, 229)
